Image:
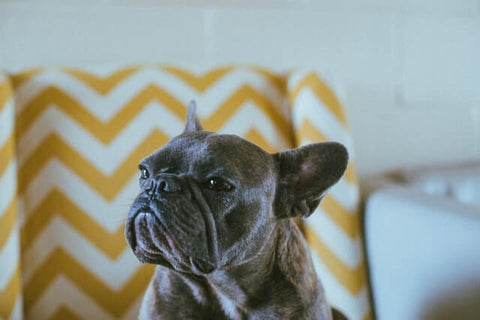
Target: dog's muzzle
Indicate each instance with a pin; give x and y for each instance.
(166, 226)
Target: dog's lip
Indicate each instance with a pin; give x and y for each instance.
(166, 244)
(159, 237)
(131, 232)
(142, 222)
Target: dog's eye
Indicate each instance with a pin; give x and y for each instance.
(144, 173)
(218, 184)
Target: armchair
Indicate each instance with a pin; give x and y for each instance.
(70, 143)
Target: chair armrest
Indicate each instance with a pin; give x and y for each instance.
(421, 248)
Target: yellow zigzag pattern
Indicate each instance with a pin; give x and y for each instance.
(200, 82)
(56, 204)
(106, 185)
(5, 94)
(323, 93)
(10, 294)
(352, 279)
(116, 302)
(19, 78)
(103, 131)
(255, 137)
(8, 220)
(347, 220)
(63, 313)
(7, 151)
(103, 85)
(107, 131)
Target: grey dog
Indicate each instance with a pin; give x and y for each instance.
(214, 214)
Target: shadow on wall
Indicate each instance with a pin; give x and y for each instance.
(458, 304)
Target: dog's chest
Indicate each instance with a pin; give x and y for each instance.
(229, 306)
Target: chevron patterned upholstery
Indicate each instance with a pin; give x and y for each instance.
(70, 141)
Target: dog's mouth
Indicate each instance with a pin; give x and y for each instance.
(152, 243)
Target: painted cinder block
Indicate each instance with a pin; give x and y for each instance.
(441, 64)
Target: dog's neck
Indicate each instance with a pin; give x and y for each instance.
(282, 273)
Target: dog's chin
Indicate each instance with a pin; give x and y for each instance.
(151, 243)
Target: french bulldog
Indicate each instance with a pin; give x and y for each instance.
(214, 213)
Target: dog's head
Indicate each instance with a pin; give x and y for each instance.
(209, 199)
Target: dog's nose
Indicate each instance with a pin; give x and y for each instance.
(164, 183)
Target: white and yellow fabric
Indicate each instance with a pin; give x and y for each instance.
(10, 274)
(70, 141)
(333, 232)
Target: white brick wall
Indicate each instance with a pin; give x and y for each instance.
(410, 69)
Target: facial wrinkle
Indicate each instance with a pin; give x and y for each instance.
(211, 228)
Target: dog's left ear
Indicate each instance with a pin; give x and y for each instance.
(304, 176)
(193, 124)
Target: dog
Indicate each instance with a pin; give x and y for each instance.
(214, 213)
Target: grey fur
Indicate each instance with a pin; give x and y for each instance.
(214, 214)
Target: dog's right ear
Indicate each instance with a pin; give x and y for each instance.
(193, 124)
(305, 175)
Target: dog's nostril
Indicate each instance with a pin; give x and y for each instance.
(150, 189)
(169, 185)
(163, 186)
